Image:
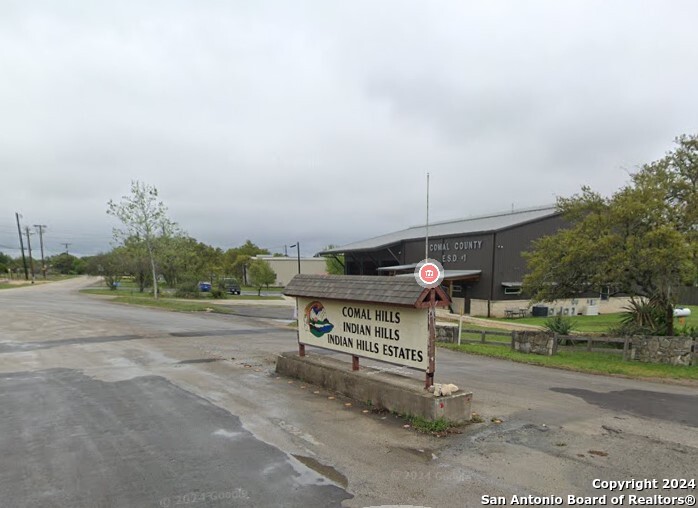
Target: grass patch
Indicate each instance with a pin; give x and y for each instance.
(421, 424)
(133, 292)
(39, 280)
(691, 320)
(254, 297)
(5, 285)
(597, 324)
(118, 292)
(582, 361)
(174, 305)
(178, 305)
(271, 289)
(583, 324)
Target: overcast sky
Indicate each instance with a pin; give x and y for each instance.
(317, 121)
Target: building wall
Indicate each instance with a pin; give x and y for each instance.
(510, 266)
(497, 308)
(460, 252)
(367, 263)
(287, 267)
(498, 255)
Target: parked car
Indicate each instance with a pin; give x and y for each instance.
(205, 286)
(232, 286)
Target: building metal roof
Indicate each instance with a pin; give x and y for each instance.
(451, 274)
(361, 288)
(481, 224)
(397, 268)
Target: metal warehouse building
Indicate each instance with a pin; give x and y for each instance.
(481, 256)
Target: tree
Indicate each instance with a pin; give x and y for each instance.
(145, 218)
(641, 241)
(183, 259)
(261, 274)
(135, 260)
(64, 263)
(234, 261)
(251, 249)
(5, 263)
(111, 266)
(334, 264)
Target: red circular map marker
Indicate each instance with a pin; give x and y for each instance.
(429, 273)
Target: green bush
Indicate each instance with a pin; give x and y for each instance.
(688, 331)
(218, 294)
(188, 289)
(562, 325)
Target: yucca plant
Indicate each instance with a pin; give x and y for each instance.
(644, 316)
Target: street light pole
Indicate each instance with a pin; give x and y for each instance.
(297, 245)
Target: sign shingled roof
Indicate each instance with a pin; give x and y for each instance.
(363, 288)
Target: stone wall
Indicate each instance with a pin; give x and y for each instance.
(384, 390)
(537, 343)
(670, 350)
(446, 333)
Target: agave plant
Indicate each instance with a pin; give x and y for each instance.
(561, 325)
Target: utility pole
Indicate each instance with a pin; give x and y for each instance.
(66, 247)
(21, 244)
(29, 247)
(286, 250)
(41, 227)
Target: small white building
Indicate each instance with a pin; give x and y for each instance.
(287, 267)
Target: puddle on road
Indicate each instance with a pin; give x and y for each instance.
(327, 471)
(199, 360)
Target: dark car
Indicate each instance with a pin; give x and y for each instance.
(231, 286)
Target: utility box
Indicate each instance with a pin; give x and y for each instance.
(592, 310)
(539, 311)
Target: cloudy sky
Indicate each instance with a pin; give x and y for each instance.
(317, 121)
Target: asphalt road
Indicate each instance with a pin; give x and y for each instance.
(111, 405)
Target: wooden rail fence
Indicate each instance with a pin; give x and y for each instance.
(565, 343)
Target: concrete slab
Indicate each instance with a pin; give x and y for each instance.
(383, 390)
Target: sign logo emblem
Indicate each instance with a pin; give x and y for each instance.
(429, 273)
(316, 319)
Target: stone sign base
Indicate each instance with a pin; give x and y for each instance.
(383, 390)
(537, 343)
